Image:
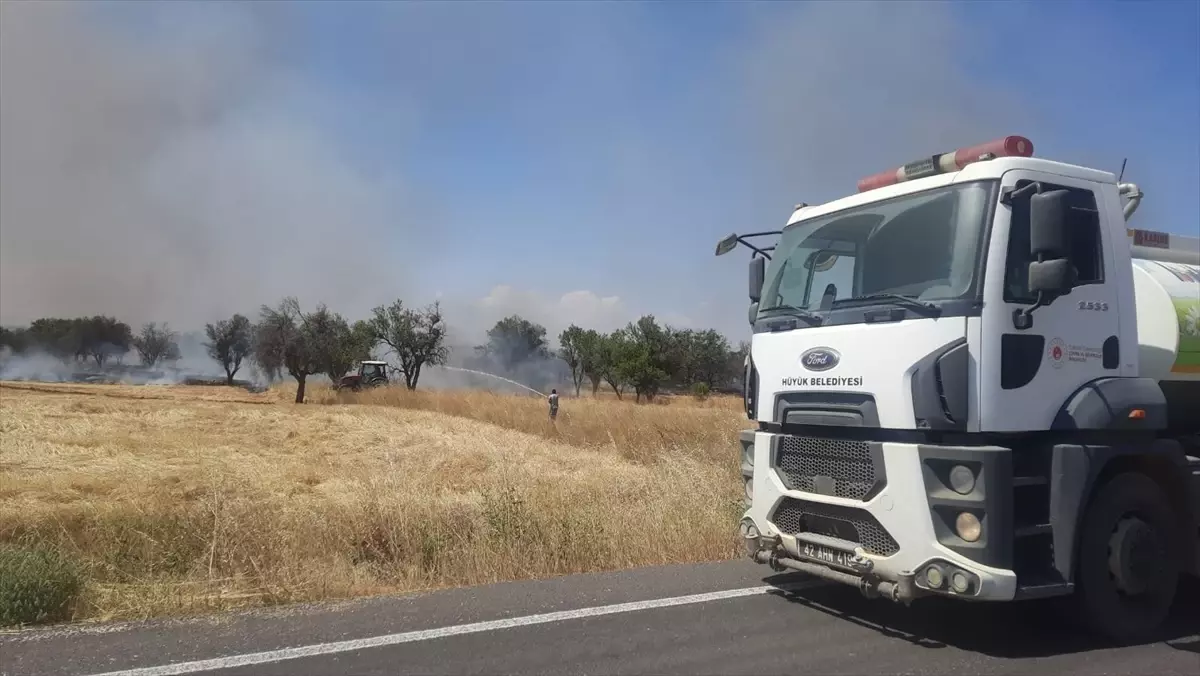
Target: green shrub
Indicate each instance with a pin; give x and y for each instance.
(37, 584)
(700, 391)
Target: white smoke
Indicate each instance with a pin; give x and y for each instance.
(177, 175)
(175, 168)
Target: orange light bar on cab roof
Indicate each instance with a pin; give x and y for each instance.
(1009, 146)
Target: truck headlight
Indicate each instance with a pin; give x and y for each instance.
(750, 488)
(749, 387)
(748, 455)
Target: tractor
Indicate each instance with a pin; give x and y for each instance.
(370, 374)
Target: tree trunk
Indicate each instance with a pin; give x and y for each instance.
(595, 387)
(232, 370)
(300, 388)
(229, 376)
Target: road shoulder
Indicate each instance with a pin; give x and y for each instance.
(93, 648)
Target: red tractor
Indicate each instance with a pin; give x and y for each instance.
(370, 374)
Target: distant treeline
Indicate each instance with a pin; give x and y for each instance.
(98, 340)
(648, 357)
(645, 357)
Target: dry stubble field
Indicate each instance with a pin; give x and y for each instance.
(175, 500)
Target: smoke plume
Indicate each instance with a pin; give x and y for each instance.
(174, 162)
(167, 175)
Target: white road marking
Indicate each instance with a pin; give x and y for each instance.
(269, 656)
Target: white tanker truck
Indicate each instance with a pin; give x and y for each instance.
(971, 380)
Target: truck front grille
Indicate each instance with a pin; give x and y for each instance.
(853, 525)
(840, 467)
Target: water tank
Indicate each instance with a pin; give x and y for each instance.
(1168, 319)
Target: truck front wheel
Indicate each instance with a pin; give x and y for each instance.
(1128, 559)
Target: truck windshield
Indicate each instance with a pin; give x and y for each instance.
(925, 246)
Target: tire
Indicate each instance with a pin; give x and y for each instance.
(1131, 611)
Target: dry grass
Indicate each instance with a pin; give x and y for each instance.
(178, 500)
(637, 432)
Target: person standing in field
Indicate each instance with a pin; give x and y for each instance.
(553, 399)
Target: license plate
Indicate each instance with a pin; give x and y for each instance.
(826, 555)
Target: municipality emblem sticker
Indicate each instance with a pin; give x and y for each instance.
(1057, 352)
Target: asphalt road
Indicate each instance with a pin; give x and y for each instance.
(730, 618)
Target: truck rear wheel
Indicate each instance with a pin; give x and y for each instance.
(1128, 558)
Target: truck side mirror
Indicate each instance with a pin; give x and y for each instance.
(727, 244)
(1051, 278)
(752, 313)
(1048, 236)
(1051, 272)
(758, 273)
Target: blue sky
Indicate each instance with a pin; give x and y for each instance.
(594, 149)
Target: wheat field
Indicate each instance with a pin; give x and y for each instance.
(177, 500)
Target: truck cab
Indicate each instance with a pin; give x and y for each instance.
(966, 382)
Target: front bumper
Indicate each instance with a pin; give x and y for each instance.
(886, 537)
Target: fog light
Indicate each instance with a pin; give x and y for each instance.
(750, 537)
(750, 489)
(934, 577)
(962, 479)
(968, 527)
(748, 528)
(960, 582)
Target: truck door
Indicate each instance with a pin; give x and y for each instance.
(1027, 375)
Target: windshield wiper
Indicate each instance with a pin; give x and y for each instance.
(926, 308)
(812, 319)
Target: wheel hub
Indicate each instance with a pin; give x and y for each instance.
(1135, 555)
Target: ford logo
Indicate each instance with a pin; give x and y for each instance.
(819, 359)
